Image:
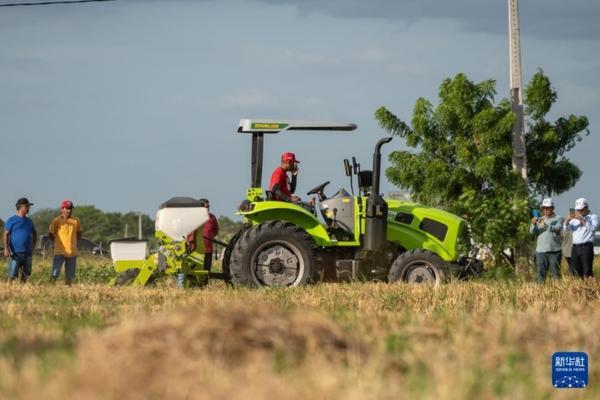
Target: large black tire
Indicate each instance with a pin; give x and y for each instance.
(273, 253)
(127, 277)
(419, 266)
(226, 264)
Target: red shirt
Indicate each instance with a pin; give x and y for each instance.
(280, 178)
(210, 230)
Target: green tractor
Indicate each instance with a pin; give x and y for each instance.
(360, 237)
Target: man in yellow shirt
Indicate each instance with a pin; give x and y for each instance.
(65, 231)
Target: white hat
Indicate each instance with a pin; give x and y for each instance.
(547, 203)
(581, 203)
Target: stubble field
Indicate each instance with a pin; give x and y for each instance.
(484, 339)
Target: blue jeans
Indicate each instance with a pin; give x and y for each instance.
(19, 261)
(70, 266)
(548, 260)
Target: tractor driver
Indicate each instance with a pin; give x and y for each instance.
(280, 185)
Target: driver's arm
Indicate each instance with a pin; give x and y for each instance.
(293, 183)
(280, 195)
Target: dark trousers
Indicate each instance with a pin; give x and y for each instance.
(547, 260)
(570, 265)
(582, 259)
(208, 261)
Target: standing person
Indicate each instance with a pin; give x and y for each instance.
(20, 238)
(201, 240)
(583, 224)
(280, 185)
(209, 231)
(65, 231)
(548, 247)
(567, 245)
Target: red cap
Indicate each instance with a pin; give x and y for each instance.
(289, 157)
(66, 204)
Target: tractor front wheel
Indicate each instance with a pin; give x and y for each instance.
(418, 266)
(273, 253)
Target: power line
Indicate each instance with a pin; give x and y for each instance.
(47, 3)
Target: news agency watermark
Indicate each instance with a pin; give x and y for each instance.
(570, 370)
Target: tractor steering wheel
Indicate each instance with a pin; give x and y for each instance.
(319, 191)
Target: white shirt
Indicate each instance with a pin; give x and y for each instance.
(583, 233)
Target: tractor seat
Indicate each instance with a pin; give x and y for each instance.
(311, 209)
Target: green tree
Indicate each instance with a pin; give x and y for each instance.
(549, 171)
(100, 226)
(461, 156)
(97, 225)
(227, 228)
(42, 217)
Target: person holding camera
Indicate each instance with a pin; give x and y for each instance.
(583, 224)
(547, 228)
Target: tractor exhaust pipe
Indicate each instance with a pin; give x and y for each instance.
(377, 163)
(377, 208)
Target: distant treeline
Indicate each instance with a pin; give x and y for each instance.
(100, 227)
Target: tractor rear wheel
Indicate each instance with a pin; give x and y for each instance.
(226, 264)
(127, 277)
(273, 253)
(418, 266)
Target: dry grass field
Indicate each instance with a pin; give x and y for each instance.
(484, 339)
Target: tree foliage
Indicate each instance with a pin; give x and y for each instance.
(97, 225)
(460, 156)
(100, 226)
(228, 228)
(550, 171)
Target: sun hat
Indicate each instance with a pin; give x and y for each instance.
(581, 203)
(547, 203)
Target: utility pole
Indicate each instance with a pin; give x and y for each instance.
(519, 159)
(140, 226)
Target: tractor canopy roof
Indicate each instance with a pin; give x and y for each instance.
(265, 125)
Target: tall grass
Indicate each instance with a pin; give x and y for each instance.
(482, 339)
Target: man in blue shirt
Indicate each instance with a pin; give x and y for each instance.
(583, 224)
(20, 237)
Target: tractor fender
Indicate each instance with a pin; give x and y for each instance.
(410, 238)
(283, 211)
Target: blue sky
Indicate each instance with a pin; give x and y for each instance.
(125, 104)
